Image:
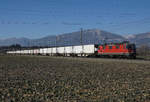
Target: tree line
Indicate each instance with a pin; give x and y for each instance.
(143, 50)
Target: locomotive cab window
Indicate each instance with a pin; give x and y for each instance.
(132, 46)
(128, 47)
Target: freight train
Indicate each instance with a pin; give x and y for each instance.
(124, 49)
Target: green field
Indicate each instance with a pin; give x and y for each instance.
(58, 79)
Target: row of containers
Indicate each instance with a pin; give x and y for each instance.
(81, 50)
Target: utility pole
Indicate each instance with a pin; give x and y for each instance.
(81, 41)
(48, 46)
(81, 37)
(29, 48)
(56, 43)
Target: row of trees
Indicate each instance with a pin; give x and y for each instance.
(143, 50)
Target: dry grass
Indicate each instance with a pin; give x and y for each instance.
(54, 79)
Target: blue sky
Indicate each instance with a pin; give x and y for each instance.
(39, 18)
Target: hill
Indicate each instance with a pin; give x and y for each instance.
(140, 39)
(90, 36)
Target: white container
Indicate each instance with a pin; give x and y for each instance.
(41, 51)
(45, 51)
(54, 50)
(36, 51)
(61, 50)
(89, 49)
(26, 51)
(32, 51)
(14, 52)
(68, 50)
(49, 50)
(18, 52)
(77, 49)
(22, 52)
(9, 52)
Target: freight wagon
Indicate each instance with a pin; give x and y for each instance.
(80, 50)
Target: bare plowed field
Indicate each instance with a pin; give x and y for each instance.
(57, 79)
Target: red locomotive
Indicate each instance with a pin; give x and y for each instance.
(124, 49)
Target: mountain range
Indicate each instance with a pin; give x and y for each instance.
(89, 36)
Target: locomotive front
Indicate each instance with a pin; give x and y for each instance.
(132, 50)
